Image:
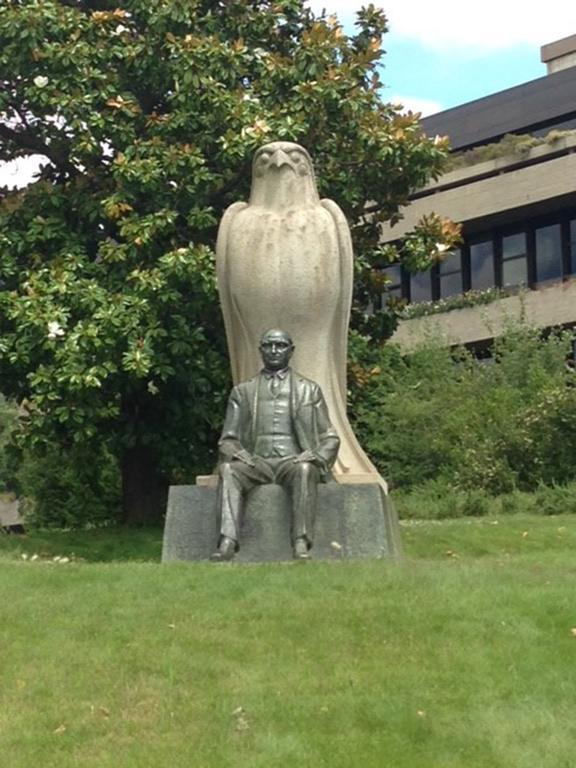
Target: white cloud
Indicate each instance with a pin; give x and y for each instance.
(485, 26)
(478, 27)
(424, 106)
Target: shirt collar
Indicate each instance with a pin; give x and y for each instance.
(268, 374)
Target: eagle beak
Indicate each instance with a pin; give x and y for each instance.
(280, 158)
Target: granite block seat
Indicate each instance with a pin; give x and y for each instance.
(353, 521)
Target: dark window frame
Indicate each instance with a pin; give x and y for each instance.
(496, 236)
(432, 275)
(512, 231)
(450, 272)
(563, 273)
(399, 287)
(480, 239)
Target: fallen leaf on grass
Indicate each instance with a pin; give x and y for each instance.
(573, 631)
(421, 713)
(241, 723)
(104, 712)
(524, 534)
(60, 729)
(172, 626)
(451, 553)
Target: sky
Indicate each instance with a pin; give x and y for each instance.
(441, 53)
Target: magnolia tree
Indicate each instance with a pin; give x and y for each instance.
(146, 114)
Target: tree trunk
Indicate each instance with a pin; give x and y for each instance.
(144, 491)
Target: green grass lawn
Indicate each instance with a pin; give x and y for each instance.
(462, 656)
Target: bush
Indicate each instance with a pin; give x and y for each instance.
(8, 422)
(555, 499)
(439, 415)
(436, 500)
(70, 488)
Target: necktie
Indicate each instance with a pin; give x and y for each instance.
(274, 384)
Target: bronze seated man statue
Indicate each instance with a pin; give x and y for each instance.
(277, 430)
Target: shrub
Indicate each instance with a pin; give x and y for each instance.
(70, 488)
(555, 499)
(8, 421)
(439, 415)
(437, 500)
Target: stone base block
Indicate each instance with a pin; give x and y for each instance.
(353, 521)
(10, 519)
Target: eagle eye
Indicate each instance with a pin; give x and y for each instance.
(261, 162)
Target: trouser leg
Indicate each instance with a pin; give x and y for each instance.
(236, 479)
(301, 479)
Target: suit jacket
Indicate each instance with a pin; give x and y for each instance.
(309, 414)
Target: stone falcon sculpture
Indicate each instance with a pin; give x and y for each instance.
(284, 260)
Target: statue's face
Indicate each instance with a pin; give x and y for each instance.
(282, 154)
(276, 349)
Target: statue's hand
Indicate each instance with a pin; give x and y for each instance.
(243, 456)
(308, 456)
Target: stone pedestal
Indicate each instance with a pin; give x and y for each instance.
(353, 521)
(10, 519)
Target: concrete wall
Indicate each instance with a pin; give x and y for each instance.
(560, 54)
(563, 62)
(549, 306)
(486, 189)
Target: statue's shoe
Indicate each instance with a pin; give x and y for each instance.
(225, 551)
(301, 550)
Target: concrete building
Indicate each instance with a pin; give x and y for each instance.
(516, 200)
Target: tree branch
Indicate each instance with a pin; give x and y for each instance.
(21, 114)
(27, 140)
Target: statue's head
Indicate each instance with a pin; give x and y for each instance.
(276, 348)
(283, 176)
(282, 154)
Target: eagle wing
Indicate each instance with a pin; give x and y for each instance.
(346, 282)
(226, 303)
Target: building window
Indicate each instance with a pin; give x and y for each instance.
(450, 273)
(540, 250)
(421, 287)
(548, 244)
(482, 265)
(394, 287)
(514, 264)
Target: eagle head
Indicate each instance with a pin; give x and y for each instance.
(283, 176)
